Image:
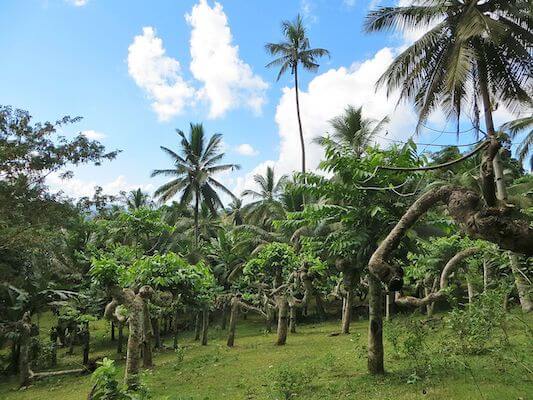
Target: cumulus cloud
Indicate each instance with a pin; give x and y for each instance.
(228, 82)
(94, 135)
(246, 149)
(77, 188)
(158, 75)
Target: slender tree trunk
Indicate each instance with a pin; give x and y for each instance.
(234, 314)
(389, 304)
(112, 331)
(148, 336)
(347, 311)
(494, 171)
(302, 141)
(205, 325)
(24, 349)
(292, 319)
(320, 309)
(86, 338)
(197, 326)
(523, 287)
(224, 317)
(175, 323)
(156, 325)
(470, 289)
(196, 210)
(269, 319)
(429, 307)
(486, 274)
(120, 340)
(283, 311)
(375, 331)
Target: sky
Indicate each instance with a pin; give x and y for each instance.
(137, 70)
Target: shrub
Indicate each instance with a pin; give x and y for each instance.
(288, 382)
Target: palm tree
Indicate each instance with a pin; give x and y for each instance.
(291, 52)
(351, 130)
(267, 206)
(517, 126)
(234, 212)
(136, 199)
(193, 172)
(476, 51)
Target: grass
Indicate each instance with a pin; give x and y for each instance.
(334, 367)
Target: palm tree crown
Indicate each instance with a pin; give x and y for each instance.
(475, 48)
(351, 130)
(267, 205)
(194, 170)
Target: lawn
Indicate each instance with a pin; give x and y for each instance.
(330, 367)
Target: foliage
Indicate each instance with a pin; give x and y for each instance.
(473, 328)
(274, 258)
(106, 386)
(288, 381)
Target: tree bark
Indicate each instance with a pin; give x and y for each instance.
(147, 337)
(120, 340)
(348, 278)
(283, 311)
(375, 328)
(523, 287)
(292, 319)
(234, 314)
(156, 326)
(175, 329)
(300, 129)
(24, 342)
(112, 331)
(197, 326)
(470, 289)
(493, 183)
(86, 342)
(205, 325)
(389, 304)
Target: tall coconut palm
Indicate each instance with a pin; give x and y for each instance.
(477, 51)
(267, 206)
(351, 130)
(193, 172)
(293, 51)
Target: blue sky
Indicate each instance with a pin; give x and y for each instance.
(111, 61)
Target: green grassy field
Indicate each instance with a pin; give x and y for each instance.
(335, 368)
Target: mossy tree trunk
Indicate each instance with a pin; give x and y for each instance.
(283, 318)
(234, 314)
(375, 328)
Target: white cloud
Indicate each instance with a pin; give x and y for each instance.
(94, 135)
(306, 9)
(228, 82)
(351, 3)
(246, 150)
(77, 188)
(247, 181)
(77, 3)
(158, 75)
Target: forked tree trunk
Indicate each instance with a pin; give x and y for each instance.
(375, 328)
(283, 319)
(523, 287)
(234, 314)
(205, 325)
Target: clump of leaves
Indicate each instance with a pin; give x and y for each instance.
(474, 327)
(288, 382)
(106, 386)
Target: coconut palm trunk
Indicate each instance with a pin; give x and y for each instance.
(300, 129)
(493, 172)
